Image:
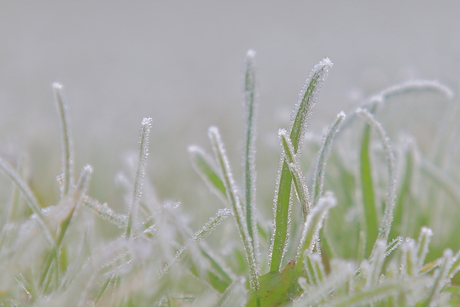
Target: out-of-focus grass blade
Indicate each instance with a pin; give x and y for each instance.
(250, 132)
(297, 131)
(443, 179)
(203, 166)
(324, 151)
(30, 198)
(66, 141)
(441, 278)
(403, 196)
(367, 191)
(387, 219)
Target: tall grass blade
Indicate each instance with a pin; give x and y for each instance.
(442, 276)
(324, 151)
(387, 219)
(144, 134)
(30, 199)
(367, 191)
(250, 132)
(66, 141)
(282, 199)
(208, 173)
(237, 209)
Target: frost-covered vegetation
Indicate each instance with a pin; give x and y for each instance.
(355, 221)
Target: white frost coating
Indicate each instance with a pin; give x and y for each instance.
(147, 121)
(409, 265)
(376, 264)
(393, 245)
(387, 219)
(106, 213)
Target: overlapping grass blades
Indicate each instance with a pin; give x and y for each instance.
(299, 124)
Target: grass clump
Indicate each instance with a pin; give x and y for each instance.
(341, 234)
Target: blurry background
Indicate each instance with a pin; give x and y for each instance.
(180, 62)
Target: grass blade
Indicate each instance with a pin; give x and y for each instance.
(144, 134)
(235, 203)
(296, 173)
(367, 192)
(320, 168)
(105, 212)
(313, 225)
(387, 219)
(249, 165)
(297, 131)
(208, 173)
(66, 141)
(30, 199)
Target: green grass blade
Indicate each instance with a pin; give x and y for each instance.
(66, 141)
(235, 203)
(371, 221)
(442, 276)
(297, 131)
(324, 151)
(208, 173)
(30, 199)
(387, 219)
(144, 134)
(422, 246)
(249, 165)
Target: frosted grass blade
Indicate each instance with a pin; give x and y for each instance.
(282, 200)
(144, 134)
(105, 212)
(422, 246)
(208, 173)
(409, 258)
(68, 203)
(376, 263)
(442, 276)
(296, 173)
(313, 225)
(368, 296)
(324, 151)
(66, 141)
(250, 133)
(391, 191)
(30, 199)
(235, 203)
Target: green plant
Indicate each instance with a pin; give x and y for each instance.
(52, 255)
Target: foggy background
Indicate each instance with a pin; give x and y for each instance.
(180, 62)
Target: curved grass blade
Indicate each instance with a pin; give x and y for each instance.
(235, 204)
(250, 133)
(66, 141)
(299, 124)
(387, 219)
(30, 199)
(444, 180)
(144, 134)
(324, 151)
(203, 166)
